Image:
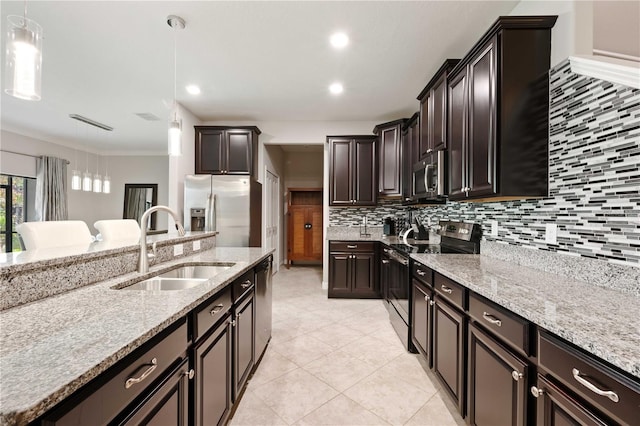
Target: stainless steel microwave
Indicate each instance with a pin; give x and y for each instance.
(429, 178)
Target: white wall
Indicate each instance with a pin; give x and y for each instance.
(273, 157)
(573, 31)
(304, 169)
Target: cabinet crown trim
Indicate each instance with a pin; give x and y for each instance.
(400, 121)
(448, 65)
(613, 70)
(252, 128)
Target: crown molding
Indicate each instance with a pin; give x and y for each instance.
(609, 69)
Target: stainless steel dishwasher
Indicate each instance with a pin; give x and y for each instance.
(264, 298)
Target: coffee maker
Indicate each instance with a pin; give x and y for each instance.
(389, 227)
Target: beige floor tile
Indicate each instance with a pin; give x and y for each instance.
(434, 413)
(253, 412)
(295, 394)
(272, 366)
(373, 350)
(341, 411)
(303, 349)
(340, 370)
(336, 335)
(407, 368)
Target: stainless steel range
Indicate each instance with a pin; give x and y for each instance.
(456, 238)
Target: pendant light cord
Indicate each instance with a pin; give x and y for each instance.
(175, 74)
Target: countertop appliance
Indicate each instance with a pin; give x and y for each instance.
(456, 238)
(429, 179)
(230, 205)
(389, 227)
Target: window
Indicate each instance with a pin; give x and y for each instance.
(17, 200)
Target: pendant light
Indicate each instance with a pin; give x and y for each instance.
(97, 179)
(86, 176)
(76, 178)
(175, 128)
(106, 182)
(23, 63)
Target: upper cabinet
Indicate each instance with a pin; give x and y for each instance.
(498, 108)
(390, 155)
(222, 150)
(352, 171)
(410, 146)
(433, 112)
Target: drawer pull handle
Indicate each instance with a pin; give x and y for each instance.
(246, 284)
(354, 246)
(446, 289)
(490, 318)
(385, 262)
(133, 380)
(536, 392)
(216, 309)
(593, 388)
(516, 375)
(420, 272)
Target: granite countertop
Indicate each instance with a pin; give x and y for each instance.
(52, 347)
(601, 321)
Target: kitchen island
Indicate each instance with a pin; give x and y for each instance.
(52, 347)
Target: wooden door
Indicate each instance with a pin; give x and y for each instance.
(364, 172)
(244, 343)
(482, 122)
(448, 349)
(439, 115)
(305, 224)
(457, 135)
(297, 233)
(340, 172)
(421, 319)
(210, 151)
(497, 383)
(213, 370)
(315, 240)
(389, 161)
(238, 155)
(426, 145)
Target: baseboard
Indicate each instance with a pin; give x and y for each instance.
(325, 285)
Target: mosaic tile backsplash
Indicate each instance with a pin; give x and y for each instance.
(594, 179)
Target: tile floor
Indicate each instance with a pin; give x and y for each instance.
(337, 362)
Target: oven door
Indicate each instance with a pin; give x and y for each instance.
(398, 282)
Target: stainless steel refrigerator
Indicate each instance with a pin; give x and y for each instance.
(231, 205)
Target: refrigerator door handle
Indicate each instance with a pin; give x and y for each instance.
(210, 224)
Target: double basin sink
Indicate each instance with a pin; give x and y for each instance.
(181, 278)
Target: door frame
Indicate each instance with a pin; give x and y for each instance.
(272, 206)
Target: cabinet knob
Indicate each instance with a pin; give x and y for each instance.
(429, 151)
(536, 392)
(427, 299)
(432, 302)
(516, 375)
(189, 374)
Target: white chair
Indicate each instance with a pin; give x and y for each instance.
(57, 233)
(118, 230)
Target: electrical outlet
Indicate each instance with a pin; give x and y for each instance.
(551, 233)
(178, 249)
(494, 228)
(196, 245)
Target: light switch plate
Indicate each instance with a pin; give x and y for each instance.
(178, 249)
(494, 228)
(551, 233)
(196, 245)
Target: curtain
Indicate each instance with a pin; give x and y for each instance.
(136, 203)
(51, 189)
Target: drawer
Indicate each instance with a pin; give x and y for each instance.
(450, 290)
(351, 246)
(126, 381)
(513, 329)
(604, 388)
(205, 316)
(422, 274)
(243, 285)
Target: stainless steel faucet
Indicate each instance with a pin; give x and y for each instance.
(143, 262)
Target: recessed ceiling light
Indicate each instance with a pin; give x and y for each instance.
(193, 89)
(336, 88)
(339, 40)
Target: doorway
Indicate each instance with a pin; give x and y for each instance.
(272, 219)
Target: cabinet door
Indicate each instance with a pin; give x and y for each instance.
(364, 276)
(340, 172)
(339, 274)
(244, 341)
(449, 350)
(425, 139)
(239, 150)
(168, 404)
(364, 172)
(439, 114)
(497, 388)
(557, 408)
(482, 123)
(211, 151)
(297, 231)
(390, 161)
(457, 135)
(407, 163)
(212, 362)
(421, 322)
(314, 217)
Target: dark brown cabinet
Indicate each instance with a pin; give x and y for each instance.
(433, 112)
(498, 113)
(497, 383)
(410, 147)
(352, 270)
(352, 171)
(243, 342)
(449, 349)
(422, 301)
(213, 371)
(390, 158)
(223, 150)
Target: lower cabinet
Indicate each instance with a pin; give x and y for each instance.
(352, 270)
(213, 369)
(497, 388)
(243, 342)
(422, 318)
(449, 349)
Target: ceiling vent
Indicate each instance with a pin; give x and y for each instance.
(91, 122)
(147, 116)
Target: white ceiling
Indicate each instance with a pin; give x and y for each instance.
(254, 61)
